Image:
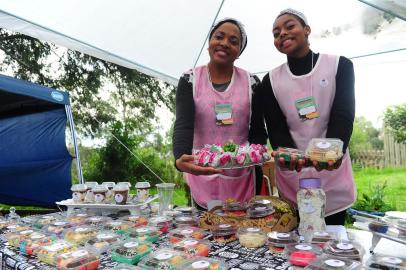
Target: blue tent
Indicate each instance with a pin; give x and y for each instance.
(35, 166)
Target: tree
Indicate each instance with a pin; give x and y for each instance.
(395, 122)
(132, 96)
(364, 137)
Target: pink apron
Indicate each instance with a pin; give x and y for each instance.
(238, 184)
(337, 184)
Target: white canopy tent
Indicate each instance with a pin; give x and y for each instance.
(164, 38)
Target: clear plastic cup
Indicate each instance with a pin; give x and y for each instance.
(165, 192)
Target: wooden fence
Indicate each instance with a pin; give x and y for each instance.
(393, 155)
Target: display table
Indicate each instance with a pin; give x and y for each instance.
(236, 256)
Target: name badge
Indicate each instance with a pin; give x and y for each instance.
(224, 114)
(306, 108)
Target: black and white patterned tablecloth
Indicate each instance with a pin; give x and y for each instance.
(236, 256)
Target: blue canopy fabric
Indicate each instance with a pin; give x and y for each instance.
(35, 166)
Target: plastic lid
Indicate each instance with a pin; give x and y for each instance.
(186, 220)
(100, 188)
(78, 187)
(290, 248)
(121, 187)
(203, 263)
(309, 183)
(381, 261)
(223, 229)
(331, 262)
(91, 184)
(234, 206)
(344, 248)
(160, 220)
(260, 210)
(142, 185)
(165, 185)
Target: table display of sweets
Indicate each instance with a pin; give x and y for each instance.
(224, 233)
(311, 201)
(328, 262)
(385, 262)
(102, 241)
(30, 245)
(181, 233)
(130, 251)
(344, 249)
(48, 253)
(144, 233)
(80, 235)
(193, 247)
(231, 155)
(78, 259)
(202, 263)
(164, 259)
(301, 254)
(14, 238)
(251, 237)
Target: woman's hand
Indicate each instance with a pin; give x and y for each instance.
(331, 165)
(185, 164)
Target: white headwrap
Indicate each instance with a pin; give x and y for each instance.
(292, 11)
(239, 25)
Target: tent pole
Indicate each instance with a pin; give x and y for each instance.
(75, 145)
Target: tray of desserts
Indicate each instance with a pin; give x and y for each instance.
(231, 155)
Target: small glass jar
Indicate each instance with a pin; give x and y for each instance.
(224, 233)
(252, 237)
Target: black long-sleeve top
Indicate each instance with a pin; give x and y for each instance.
(342, 111)
(182, 139)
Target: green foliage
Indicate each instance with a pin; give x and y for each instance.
(102, 93)
(374, 202)
(364, 137)
(395, 122)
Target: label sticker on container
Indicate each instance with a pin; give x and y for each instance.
(80, 253)
(303, 247)
(119, 198)
(142, 230)
(95, 219)
(392, 260)
(260, 208)
(188, 231)
(99, 198)
(104, 236)
(26, 232)
(115, 223)
(81, 215)
(158, 219)
(55, 247)
(253, 230)
(323, 145)
(334, 263)
(163, 256)
(345, 246)
(60, 223)
(190, 242)
(131, 244)
(282, 235)
(12, 227)
(80, 230)
(184, 219)
(321, 234)
(37, 236)
(223, 226)
(200, 265)
(133, 218)
(48, 217)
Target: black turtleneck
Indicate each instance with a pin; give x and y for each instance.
(342, 110)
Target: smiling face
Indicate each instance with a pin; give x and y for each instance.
(290, 36)
(224, 44)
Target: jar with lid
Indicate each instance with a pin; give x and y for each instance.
(311, 201)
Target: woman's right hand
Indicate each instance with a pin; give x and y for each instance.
(186, 164)
(292, 165)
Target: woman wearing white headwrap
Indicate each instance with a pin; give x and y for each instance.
(199, 91)
(327, 82)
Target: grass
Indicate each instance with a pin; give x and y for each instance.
(395, 192)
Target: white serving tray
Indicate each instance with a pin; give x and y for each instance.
(133, 207)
